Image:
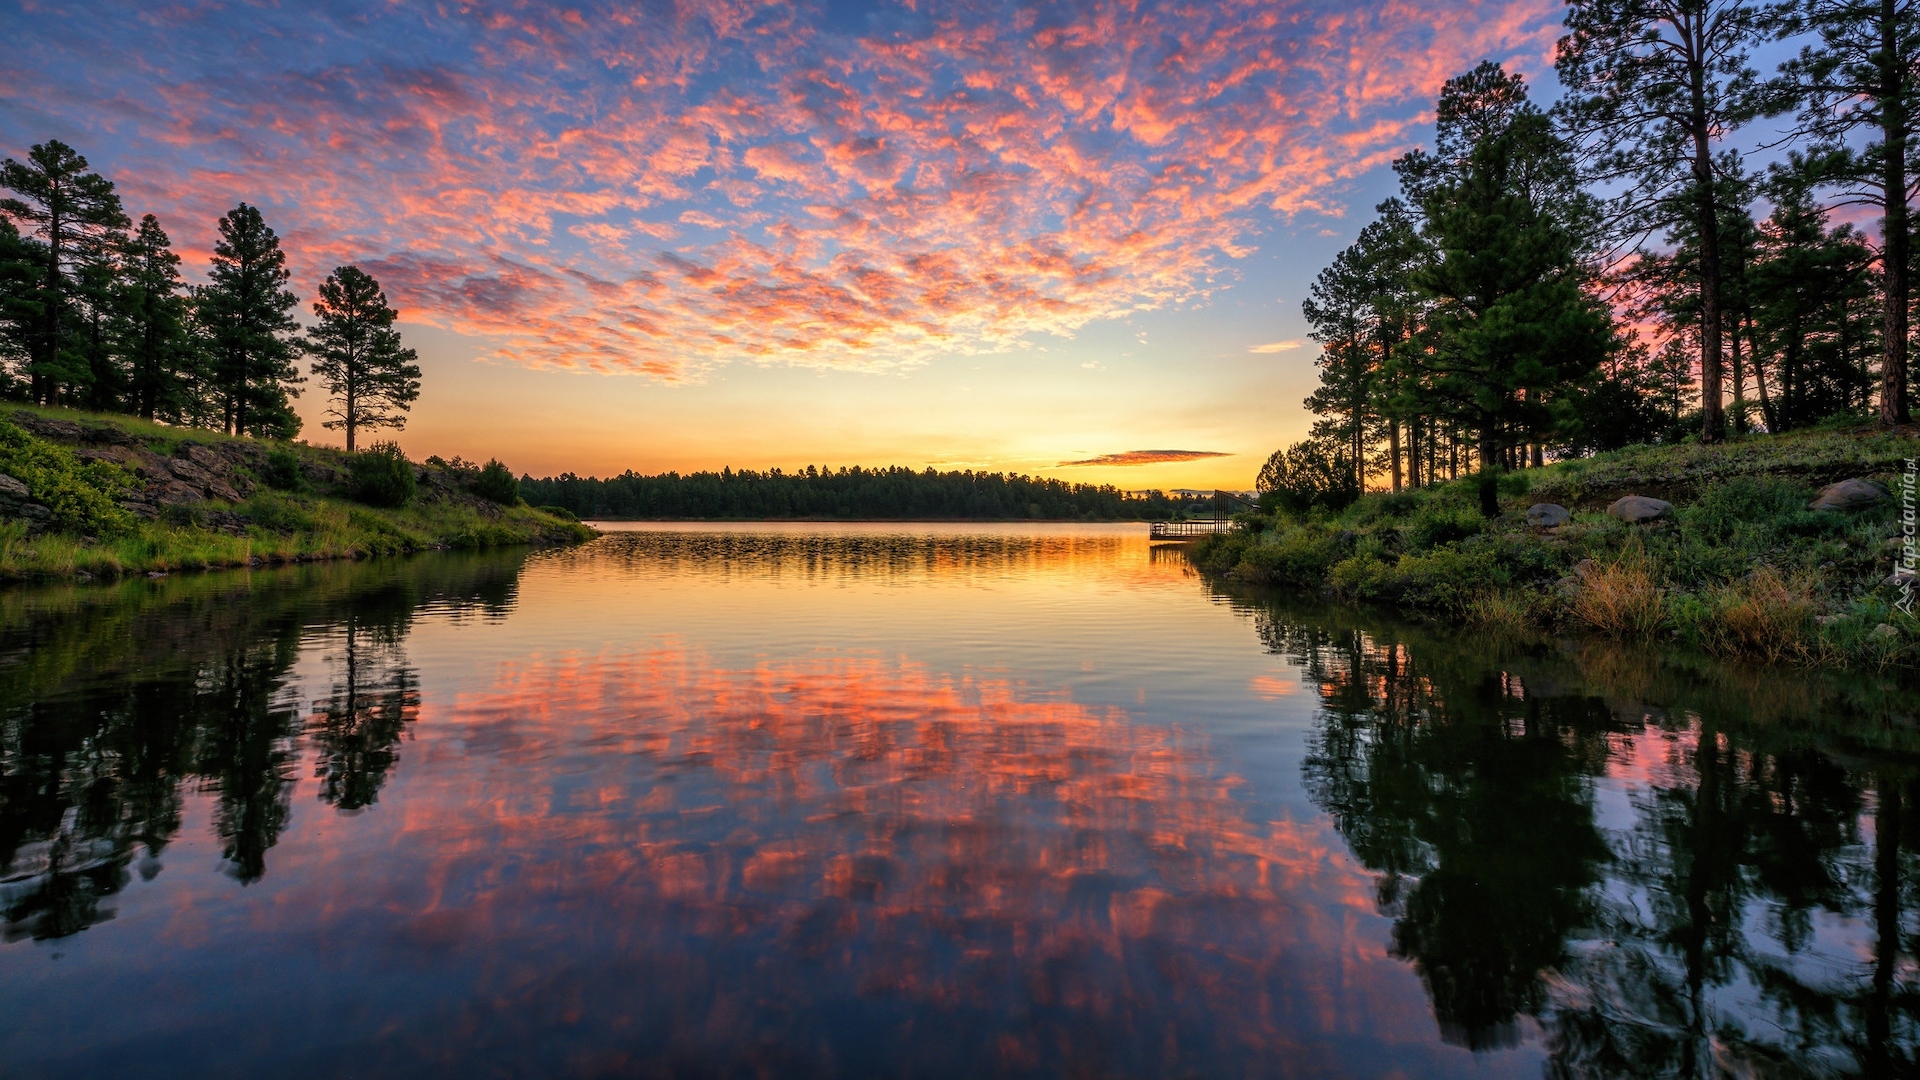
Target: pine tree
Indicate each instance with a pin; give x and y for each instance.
(1857, 95)
(370, 378)
(246, 311)
(1511, 329)
(153, 331)
(1652, 85)
(77, 216)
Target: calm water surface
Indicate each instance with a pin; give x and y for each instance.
(920, 800)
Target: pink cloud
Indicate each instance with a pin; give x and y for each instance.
(955, 182)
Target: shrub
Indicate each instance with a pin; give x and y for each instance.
(80, 494)
(277, 513)
(382, 476)
(560, 512)
(496, 483)
(282, 471)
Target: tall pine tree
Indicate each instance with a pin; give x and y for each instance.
(370, 379)
(246, 310)
(77, 217)
(153, 332)
(1652, 86)
(1857, 94)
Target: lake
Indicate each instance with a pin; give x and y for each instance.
(932, 800)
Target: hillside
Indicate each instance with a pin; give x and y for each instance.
(1740, 564)
(92, 495)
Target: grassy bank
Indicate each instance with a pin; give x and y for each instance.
(1740, 567)
(88, 495)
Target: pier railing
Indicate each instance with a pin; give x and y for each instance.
(1181, 530)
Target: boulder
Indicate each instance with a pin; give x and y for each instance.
(1849, 495)
(189, 472)
(48, 429)
(1885, 632)
(1634, 509)
(203, 456)
(219, 489)
(12, 490)
(1547, 515)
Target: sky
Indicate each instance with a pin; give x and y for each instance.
(682, 235)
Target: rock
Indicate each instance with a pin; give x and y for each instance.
(106, 434)
(1849, 495)
(36, 512)
(1828, 620)
(156, 573)
(1585, 568)
(1634, 509)
(1897, 579)
(203, 456)
(1885, 632)
(48, 429)
(82, 575)
(178, 494)
(11, 488)
(140, 508)
(1547, 515)
(189, 472)
(218, 489)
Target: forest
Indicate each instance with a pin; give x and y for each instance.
(1683, 247)
(895, 493)
(94, 315)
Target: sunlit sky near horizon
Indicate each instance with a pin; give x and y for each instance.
(686, 235)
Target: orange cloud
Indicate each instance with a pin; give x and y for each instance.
(1147, 457)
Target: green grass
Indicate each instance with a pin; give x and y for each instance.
(91, 535)
(1744, 569)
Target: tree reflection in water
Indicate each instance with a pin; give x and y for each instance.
(1714, 885)
(185, 685)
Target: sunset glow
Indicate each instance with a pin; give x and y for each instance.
(696, 234)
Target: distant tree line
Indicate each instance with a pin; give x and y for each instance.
(94, 315)
(1612, 271)
(848, 493)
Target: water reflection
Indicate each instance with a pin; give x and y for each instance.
(1672, 872)
(525, 815)
(114, 704)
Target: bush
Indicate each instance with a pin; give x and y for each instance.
(382, 476)
(277, 513)
(80, 493)
(282, 471)
(560, 512)
(496, 483)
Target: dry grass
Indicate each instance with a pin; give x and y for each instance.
(1764, 615)
(1623, 599)
(1507, 613)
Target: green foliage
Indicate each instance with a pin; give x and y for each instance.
(496, 483)
(560, 512)
(80, 494)
(282, 471)
(382, 476)
(1316, 472)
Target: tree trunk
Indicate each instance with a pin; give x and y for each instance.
(1739, 384)
(1894, 234)
(1768, 412)
(1489, 476)
(1393, 450)
(1707, 221)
